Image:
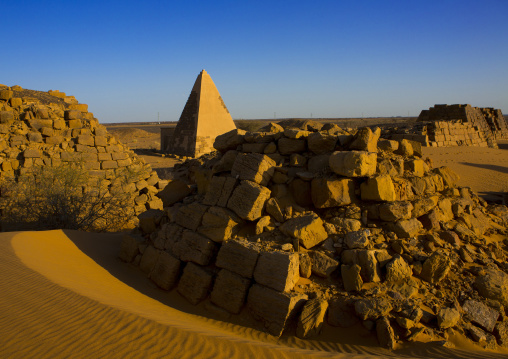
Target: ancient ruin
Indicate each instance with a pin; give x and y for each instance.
(204, 117)
(296, 228)
(48, 129)
(456, 125)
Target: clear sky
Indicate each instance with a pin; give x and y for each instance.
(129, 60)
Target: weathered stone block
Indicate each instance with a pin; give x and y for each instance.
(397, 270)
(415, 167)
(447, 318)
(274, 210)
(394, 211)
(193, 247)
(388, 145)
(312, 318)
(378, 188)
(32, 153)
(190, 215)
(238, 256)
(366, 139)
(6, 117)
(106, 165)
(288, 146)
(322, 265)
(229, 291)
(129, 248)
(327, 193)
(481, 314)
(6, 94)
(149, 220)
(273, 308)
(195, 283)
(385, 333)
(353, 163)
(166, 271)
(407, 228)
(351, 277)
(248, 200)
(277, 270)
(308, 229)
(357, 239)
(174, 192)
(450, 178)
(148, 260)
(372, 308)
(219, 191)
(436, 267)
(219, 224)
(321, 143)
(493, 284)
(229, 140)
(73, 115)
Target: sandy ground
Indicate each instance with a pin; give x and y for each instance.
(485, 170)
(64, 294)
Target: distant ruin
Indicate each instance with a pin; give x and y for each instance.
(457, 125)
(204, 117)
(48, 129)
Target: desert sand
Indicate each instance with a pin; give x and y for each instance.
(65, 294)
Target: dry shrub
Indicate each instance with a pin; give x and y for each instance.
(67, 197)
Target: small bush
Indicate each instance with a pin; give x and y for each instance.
(67, 197)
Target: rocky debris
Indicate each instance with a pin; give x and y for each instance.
(50, 129)
(386, 240)
(274, 308)
(311, 318)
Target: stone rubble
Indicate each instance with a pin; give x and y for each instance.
(344, 227)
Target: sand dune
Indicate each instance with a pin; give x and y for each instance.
(64, 294)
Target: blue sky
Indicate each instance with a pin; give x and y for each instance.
(129, 60)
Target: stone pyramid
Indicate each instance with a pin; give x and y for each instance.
(204, 117)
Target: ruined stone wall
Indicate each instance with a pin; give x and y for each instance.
(336, 209)
(48, 129)
(490, 122)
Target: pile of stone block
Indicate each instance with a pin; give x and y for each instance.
(49, 128)
(307, 228)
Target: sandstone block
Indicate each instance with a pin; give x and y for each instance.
(219, 191)
(75, 123)
(394, 211)
(481, 314)
(450, 178)
(148, 260)
(225, 164)
(436, 267)
(351, 277)
(193, 247)
(194, 283)
(366, 139)
(129, 248)
(341, 313)
(422, 206)
(388, 145)
(415, 167)
(273, 209)
(106, 165)
(238, 256)
(493, 284)
(190, 215)
(385, 333)
(165, 271)
(301, 192)
(277, 270)
(149, 220)
(174, 191)
(273, 308)
(407, 228)
(501, 333)
(86, 140)
(253, 167)
(397, 270)
(219, 224)
(288, 146)
(248, 200)
(305, 265)
(16, 102)
(372, 308)
(80, 107)
(311, 318)
(229, 140)
(318, 163)
(405, 148)
(6, 117)
(357, 239)
(378, 188)
(32, 153)
(322, 265)
(320, 143)
(448, 318)
(353, 163)
(6, 94)
(308, 229)
(73, 115)
(327, 193)
(229, 291)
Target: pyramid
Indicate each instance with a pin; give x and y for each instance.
(203, 118)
